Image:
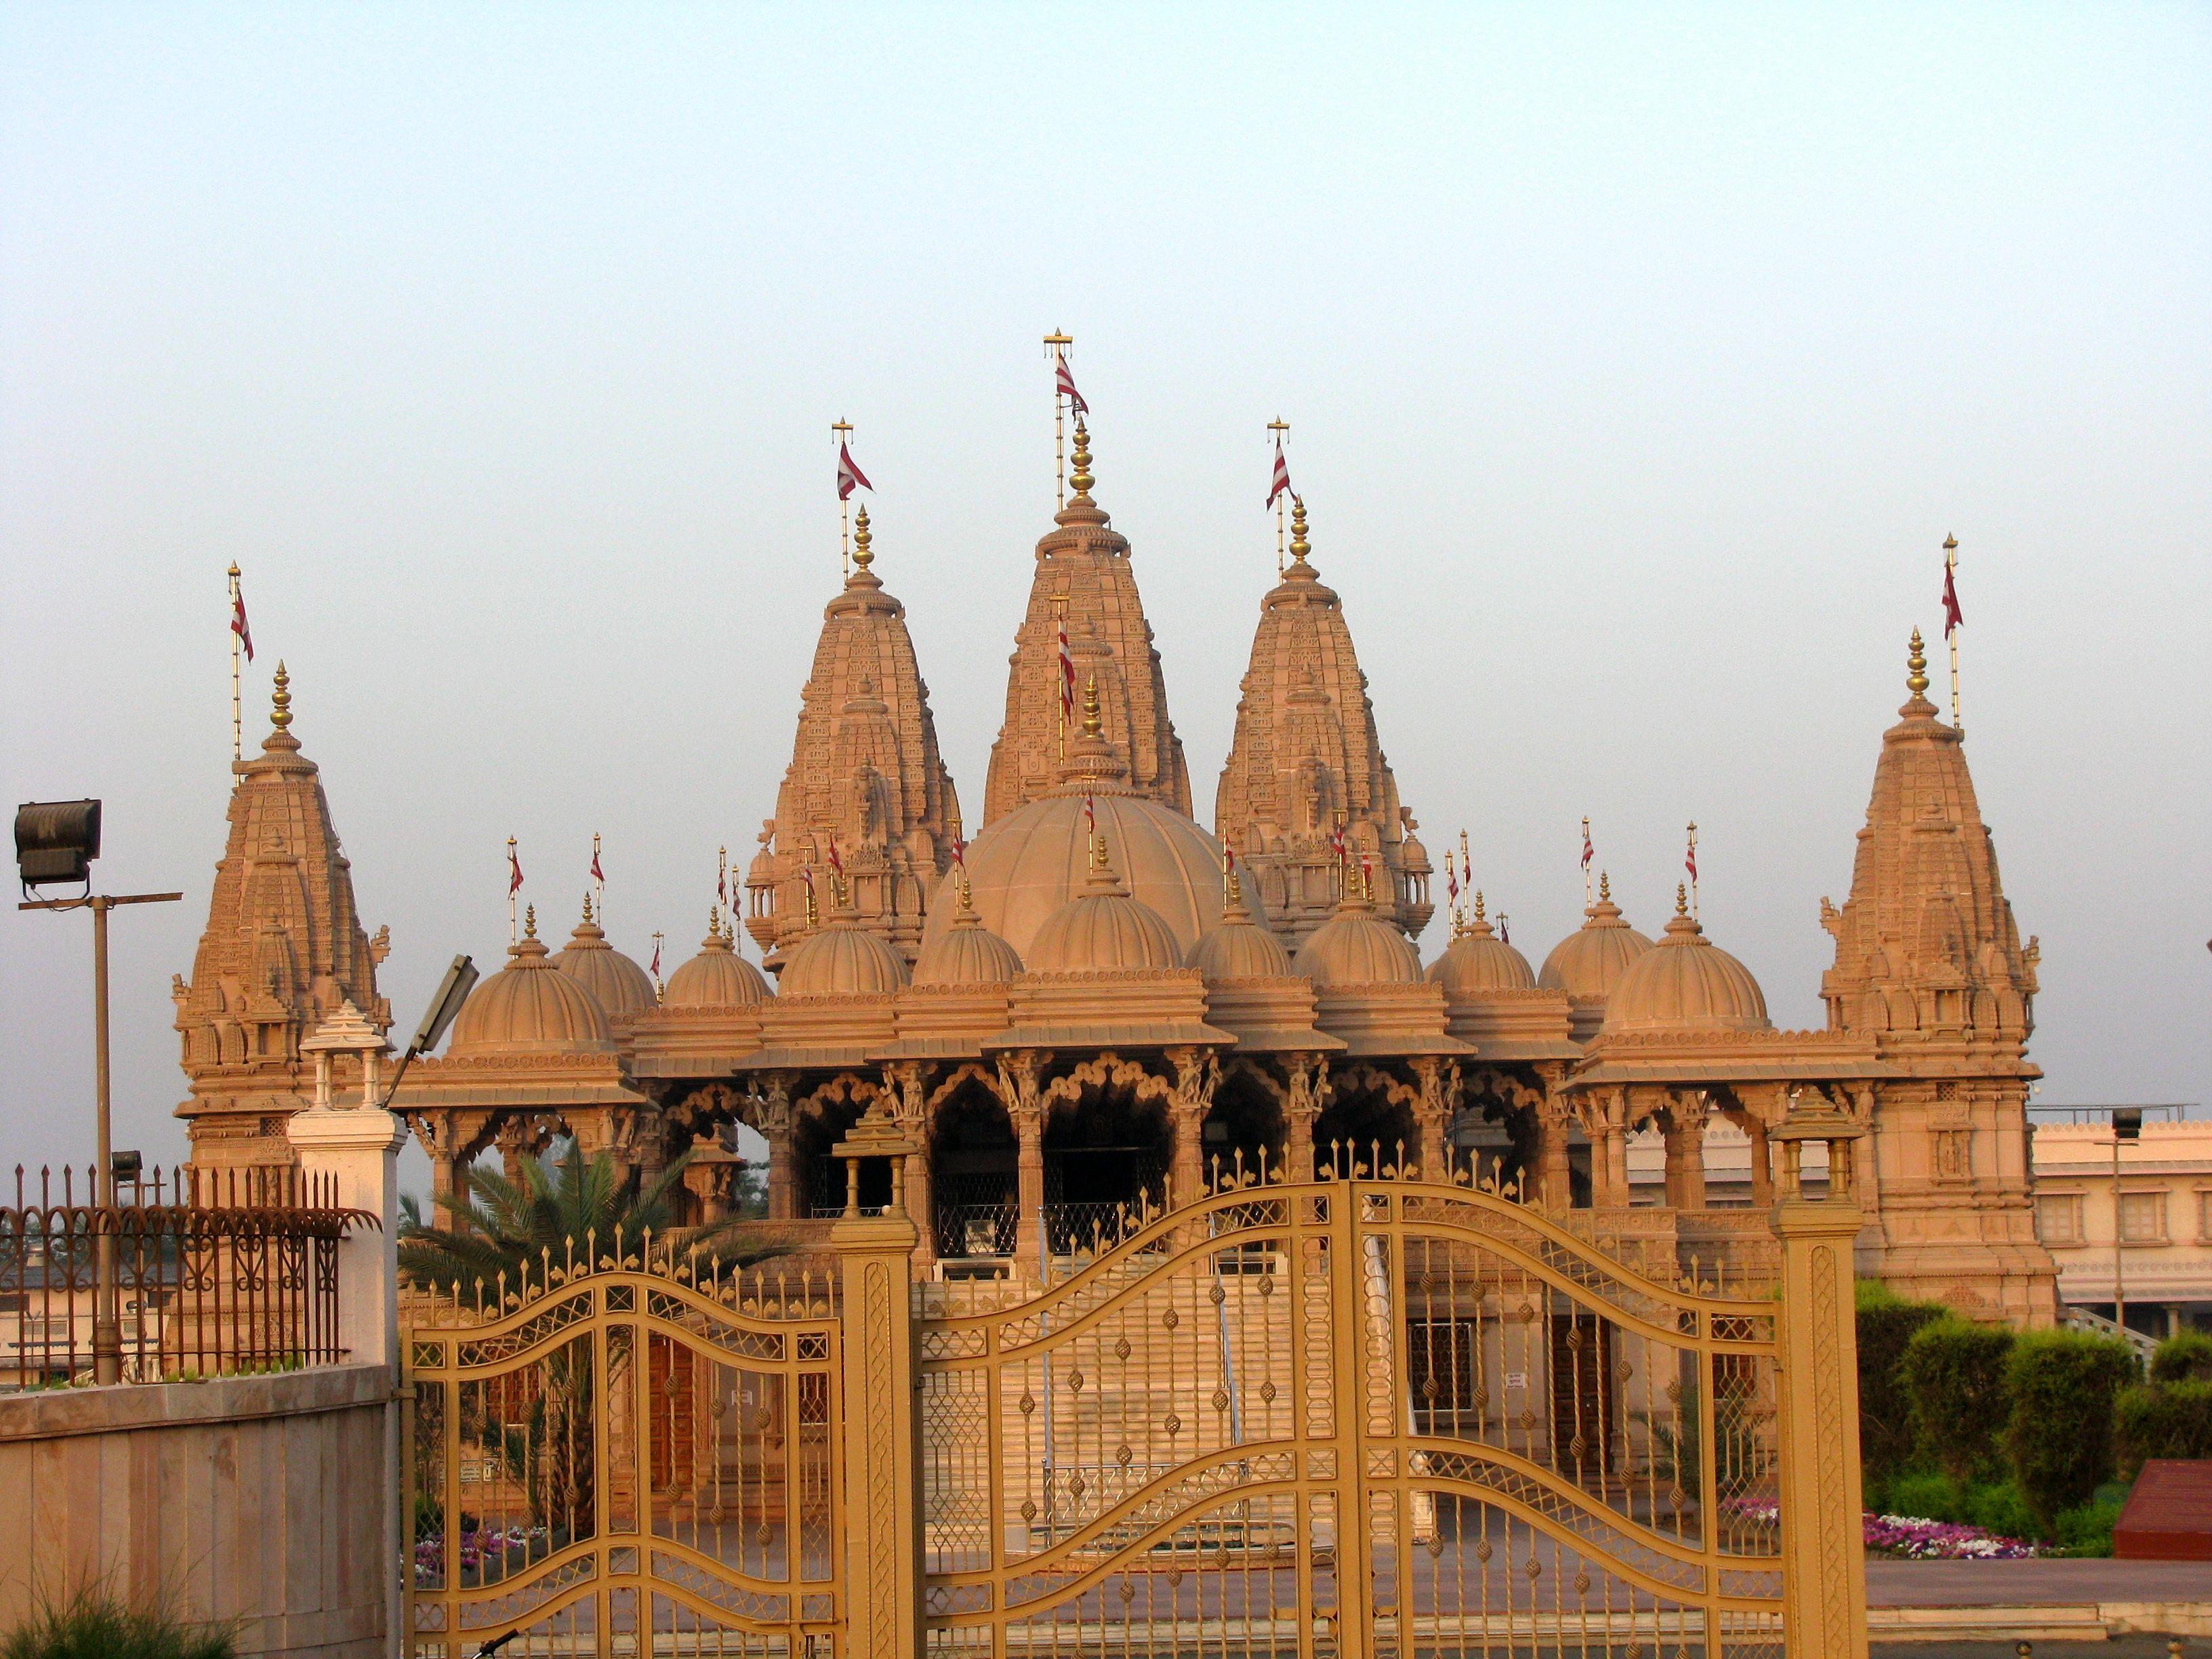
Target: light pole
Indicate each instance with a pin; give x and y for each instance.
(2127, 1124)
(56, 841)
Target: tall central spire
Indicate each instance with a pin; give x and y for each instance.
(1084, 583)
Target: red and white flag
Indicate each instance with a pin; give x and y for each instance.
(849, 477)
(1336, 842)
(1063, 386)
(1451, 879)
(656, 956)
(513, 872)
(960, 852)
(1589, 851)
(1281, 483)
(1067, 675)
(1690, 859)
(1953, 617)
(238, 624)
(1090, 818)
(1504, 936)
(1466, 870)
(598, 874)
(836, 863)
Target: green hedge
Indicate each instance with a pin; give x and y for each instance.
(94, 1625)
(1953, 1374)
(2184, 1357)
(1886, 1323)
(2061, 1386)
(2163, 1419)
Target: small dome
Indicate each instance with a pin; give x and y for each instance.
(966, 952)
(1103, 929)
(1353, 947)
(1478, 963)
(1237, 947)
(1686, 983)
(718, 977)
(1590, 962)
(619, 985)
(842, 959)
(530, 1007)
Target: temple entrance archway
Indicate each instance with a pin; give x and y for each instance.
(1106, 1152)
(1246, 1129)
(973, 1171)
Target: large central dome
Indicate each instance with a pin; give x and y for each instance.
(1036, 857)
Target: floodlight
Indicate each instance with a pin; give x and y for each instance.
(56, 840)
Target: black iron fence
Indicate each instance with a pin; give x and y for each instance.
(216, 1272)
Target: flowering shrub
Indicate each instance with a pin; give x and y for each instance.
(481, 1546)
(1912, 1536)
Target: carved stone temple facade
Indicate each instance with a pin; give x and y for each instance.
(1092, 1005)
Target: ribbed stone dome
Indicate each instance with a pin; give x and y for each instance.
(1103, 929)
(842, 959)
(1590, 962)
(617, 983)
(530, 1007)
(1478, 963)
(718, 977)
(1237, 947)
(1354, 947)
(1686, 983)
(966, 952)
(1036, 858)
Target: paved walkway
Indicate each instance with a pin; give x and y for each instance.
(2032, 1583)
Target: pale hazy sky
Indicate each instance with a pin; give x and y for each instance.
(1638, 360)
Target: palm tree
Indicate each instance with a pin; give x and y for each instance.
(554, 1213)
(557, 1212)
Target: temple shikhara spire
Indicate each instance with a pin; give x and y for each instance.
(1085, 583)
(283, 951)
(1306, 774)
(1930, 963)
(1097, 999)
(866, 778)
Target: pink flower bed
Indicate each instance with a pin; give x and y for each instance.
(1913, 1538)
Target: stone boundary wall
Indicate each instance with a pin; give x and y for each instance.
(266, 1501)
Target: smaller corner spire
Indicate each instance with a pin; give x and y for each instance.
(530, 921)
(1916, 663)
(1094, 723)
(1681, 898)
(280, 712)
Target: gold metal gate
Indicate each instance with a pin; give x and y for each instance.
(627, 1454)
(1371, 1418)
(1353, 1419)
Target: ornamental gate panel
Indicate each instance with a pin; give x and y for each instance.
(627, 1454)
(1372, 1418)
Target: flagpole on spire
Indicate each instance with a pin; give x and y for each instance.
(1057, 343)
(840, 432)
(237, 711)
(1589, 853)
(658, 988)
(1690, 863)
(721, 878)
(1952, 618)
(598, 881)
(1064, 671)
(513, 886)
(1280, 487)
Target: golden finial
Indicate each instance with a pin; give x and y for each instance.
(281, 716)
(1682, 899)
(1604, 888)
(1093, 722)
(1299, 545)
(1098, 851)
(530, 921)
(1081, 477)
(1916, 682)
(1477, 904)
(1233, 893)
(861, 555)
(1950, 543)
(588, 909)
(967, 894)
(713, 921)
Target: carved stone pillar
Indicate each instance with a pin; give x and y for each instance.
(905, 1085)
(1686, 1154)
(1762, 1163)
(1432, 1116)
(775, 1126)
(1309, 1076)
(514, 1142)
(1196, 1077)
(1018, 1075)
(1553, 1186)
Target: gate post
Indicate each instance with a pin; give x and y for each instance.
(880, 1443)
(1822, 1494)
